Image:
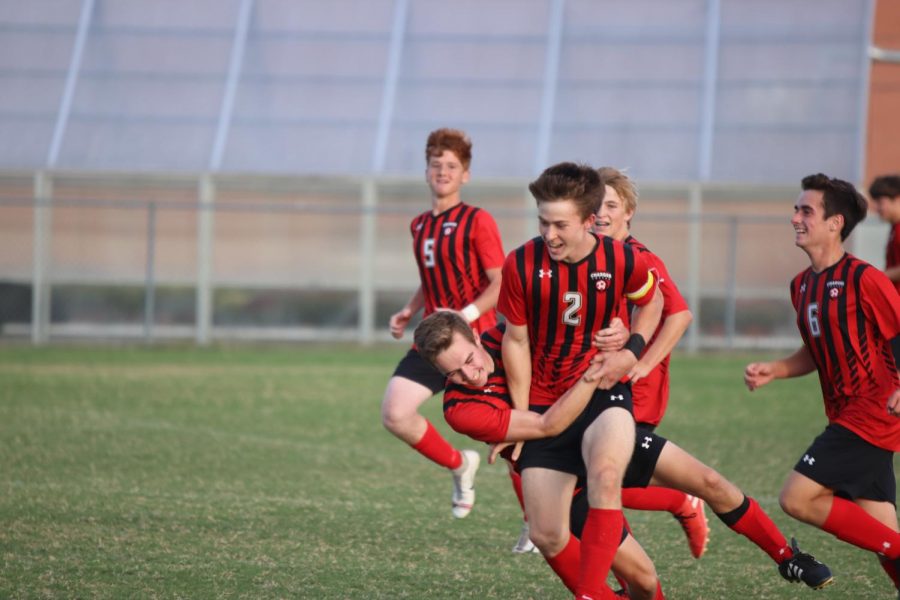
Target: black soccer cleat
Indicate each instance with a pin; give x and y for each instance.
(804, 567)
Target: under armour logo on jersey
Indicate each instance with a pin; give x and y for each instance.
(489, 389)
(646, 444)
(803, 289)
(542, 273)
(615, 397)
(809, 459)
(886, 546)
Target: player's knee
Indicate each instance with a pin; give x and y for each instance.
(605, 480)
(717, 489)
(791, 503)
(643, 584)
(549, 540)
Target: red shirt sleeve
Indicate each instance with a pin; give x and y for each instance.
(643, 282)
(880, 301)
(511, 303)
(488, 244)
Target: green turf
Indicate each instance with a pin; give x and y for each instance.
(264, 472)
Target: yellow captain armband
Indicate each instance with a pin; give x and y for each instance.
(651, 280)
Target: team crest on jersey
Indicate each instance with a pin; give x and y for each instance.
(834, 288)
(601, 279)
(449, 227)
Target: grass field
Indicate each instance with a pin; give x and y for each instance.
(265, 473)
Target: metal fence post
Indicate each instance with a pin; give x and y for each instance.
(150, 274)
(205, 215)
(41, 245)
(367, 240)
(695, 230)
(731, 284)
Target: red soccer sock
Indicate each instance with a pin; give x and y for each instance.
(567, 562)
(890, 567)
(653, 498)
(599, 542)
(659, 592)
(756, 526)
(517, 487)
(435, 448)
(847, 521)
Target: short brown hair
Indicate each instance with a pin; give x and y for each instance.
(624, 186)
(886, 185)
(454, 140)
(570, 181)
(839, 198)
(435, 333)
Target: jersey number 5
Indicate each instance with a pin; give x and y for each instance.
(812, 319)
(570, 315)
(428, 251)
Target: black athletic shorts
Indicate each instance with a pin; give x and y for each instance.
(850, 466)
(563, 452)
(647, 448)
(415, 368)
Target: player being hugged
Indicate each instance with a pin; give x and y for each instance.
(459, 254)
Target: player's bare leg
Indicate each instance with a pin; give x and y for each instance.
(866, 524)
(633, 566)
(606, 446)
(400, 415)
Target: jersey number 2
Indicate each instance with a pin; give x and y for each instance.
(570, 315)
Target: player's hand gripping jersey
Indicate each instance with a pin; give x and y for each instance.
(847, 315)
(453, 250)
(564, 304)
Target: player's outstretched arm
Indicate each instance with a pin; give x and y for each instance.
(759, 374)
(400, 319)
(487, 299)
(528, 425)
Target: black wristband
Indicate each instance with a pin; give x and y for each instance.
(636, 344)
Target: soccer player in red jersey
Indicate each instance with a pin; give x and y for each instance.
(885, 193)
(477, 403)
(674, 468)
(559, 289)
(459, 253)
(848, 314)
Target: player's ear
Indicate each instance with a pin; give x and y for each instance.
(465, 176)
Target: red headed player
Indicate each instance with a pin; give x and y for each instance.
(675, 468)
(848, 314)
(558, 290)
(885, 193)
(459, 253)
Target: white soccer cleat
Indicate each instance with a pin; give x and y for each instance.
(524, 545)
(464, 484)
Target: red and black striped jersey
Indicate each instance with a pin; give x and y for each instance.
(564, 304)
(453, 250)
(892, 255)
(482, 413)
(651, 393)
(847, 315)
